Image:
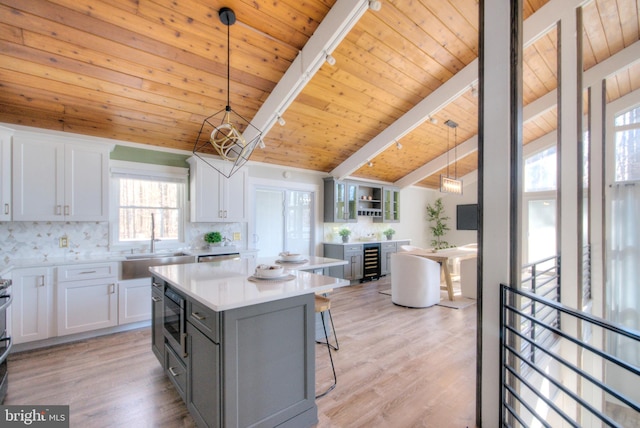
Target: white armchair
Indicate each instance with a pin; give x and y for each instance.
(415, 281)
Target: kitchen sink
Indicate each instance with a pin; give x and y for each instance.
(137, 265)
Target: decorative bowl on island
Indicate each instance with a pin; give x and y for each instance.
(290, 257)
(269, 271)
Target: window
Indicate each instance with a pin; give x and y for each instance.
(627, 148)
(141, 192)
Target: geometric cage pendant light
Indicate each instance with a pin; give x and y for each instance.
(447, 183)
(221, 134)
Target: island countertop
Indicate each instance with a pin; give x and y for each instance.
(227, 285)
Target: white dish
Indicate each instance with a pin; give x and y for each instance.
(286, 275)
(290, 257)
(269, 271)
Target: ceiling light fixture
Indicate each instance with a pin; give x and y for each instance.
(223, 135)
(369, 164)
(398, 145)
(330, 60)
(375, 5)
(448, 184)
(432, 120)
(281, 121)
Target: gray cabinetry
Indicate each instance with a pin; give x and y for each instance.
(386, 249)
(203, 396)
(157, 334)
(249, 366)
(352, 253)
(390, 205)
(340, 198)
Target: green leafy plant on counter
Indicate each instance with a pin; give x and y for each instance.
(345, 234)
(389, 233)
(437, 218)
(213, 237)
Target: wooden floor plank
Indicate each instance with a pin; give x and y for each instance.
(396, 367)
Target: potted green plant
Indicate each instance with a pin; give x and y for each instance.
(389, 233)
(344, 232)
(437, 218)
(213, 238)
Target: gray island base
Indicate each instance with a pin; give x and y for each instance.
(238, 364)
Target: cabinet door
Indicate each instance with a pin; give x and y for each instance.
(391, 205)
(86, 183)
(157, 320)
(86, 305)
(386, 249)
(133, 300)
(204, 190)
(203, 386)
(234, 201)
(5, 175)
(31, 308)
(38, 180)
(353, 269)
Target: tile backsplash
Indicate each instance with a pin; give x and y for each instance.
(40, 239)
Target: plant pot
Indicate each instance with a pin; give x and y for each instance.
(345, 239)
(389, 237)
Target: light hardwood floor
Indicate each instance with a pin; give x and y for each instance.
(396, 367)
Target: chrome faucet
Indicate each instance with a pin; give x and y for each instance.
(153, 234)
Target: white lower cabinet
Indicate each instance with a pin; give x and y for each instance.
(32, 307)
(133, 300)
(90, 300)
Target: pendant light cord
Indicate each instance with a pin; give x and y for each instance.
(228, 66)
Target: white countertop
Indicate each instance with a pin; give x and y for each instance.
(366, 241)
(225, 285)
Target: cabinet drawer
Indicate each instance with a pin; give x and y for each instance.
(176, 370)
(88, 271)
(352, 248)
(388, 246)
(206, 320)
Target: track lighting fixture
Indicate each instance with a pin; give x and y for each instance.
(398, 145)
(261, 143)
(369, 164)
(330, 60)
(281, 121)
(375, 5)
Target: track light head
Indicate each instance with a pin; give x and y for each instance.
(375, 5)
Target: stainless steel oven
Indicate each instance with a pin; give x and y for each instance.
(174, 321)
(5, 339)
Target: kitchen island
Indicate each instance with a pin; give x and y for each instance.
(239, 350)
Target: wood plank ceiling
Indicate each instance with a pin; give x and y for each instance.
(150, 71)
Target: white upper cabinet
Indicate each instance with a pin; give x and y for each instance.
(5, 174)
(55, 180)
(214, 197)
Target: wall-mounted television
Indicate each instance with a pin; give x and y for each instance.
(467, 217)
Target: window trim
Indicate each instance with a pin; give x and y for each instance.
(124, 169)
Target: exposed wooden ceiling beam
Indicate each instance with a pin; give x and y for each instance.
(620, 60)
(534, 27)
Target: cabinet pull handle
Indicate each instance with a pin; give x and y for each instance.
(155, 284)
(6, 208)
(66, 210)
(41, 281)
(198, 316)
(183, 344)
(172, 370)
(112, 288)
(155, 299)
(225, 213)
(58, 209)
(220, 214)
(87, 272)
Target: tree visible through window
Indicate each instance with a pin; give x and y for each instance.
(628, 145)
(138, 199)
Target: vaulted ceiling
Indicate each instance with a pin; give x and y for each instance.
(150, 71)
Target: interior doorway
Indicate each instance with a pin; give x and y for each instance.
(284, 221)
